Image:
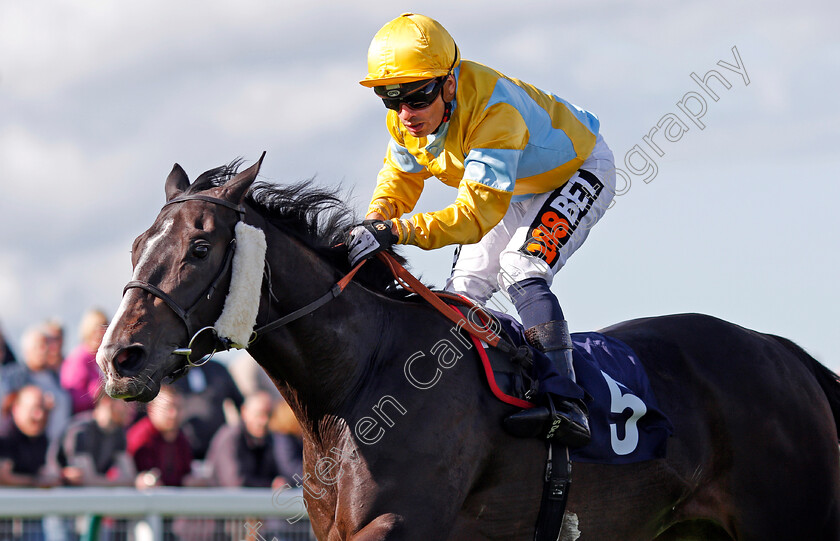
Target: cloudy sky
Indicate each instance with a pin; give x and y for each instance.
(734, 217)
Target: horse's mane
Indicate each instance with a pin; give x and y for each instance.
(317, 216)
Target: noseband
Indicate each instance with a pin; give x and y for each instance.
(186, 314)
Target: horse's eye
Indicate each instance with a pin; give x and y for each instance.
(200, 251)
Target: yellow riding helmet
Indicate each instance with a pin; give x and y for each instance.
(410, 48)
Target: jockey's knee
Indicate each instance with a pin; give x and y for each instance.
(516, 267)
(479, 289)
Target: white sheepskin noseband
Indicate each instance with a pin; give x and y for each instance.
(239, 315)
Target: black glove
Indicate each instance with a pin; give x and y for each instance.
(368, 238)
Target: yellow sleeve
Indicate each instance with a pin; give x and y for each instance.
(396, 191)
(476, 210)
(400, 181)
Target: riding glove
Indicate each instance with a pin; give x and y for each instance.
(368, 238)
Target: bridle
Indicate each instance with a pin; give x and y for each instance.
(186, 314)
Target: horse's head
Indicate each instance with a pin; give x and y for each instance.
(182, 269)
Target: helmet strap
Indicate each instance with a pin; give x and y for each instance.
(447, 111)
(447, 114)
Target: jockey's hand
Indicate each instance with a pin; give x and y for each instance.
(368, 238)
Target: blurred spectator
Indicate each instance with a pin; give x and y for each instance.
(287, 438)
(23, 442)
(205, 391)
(93, 450)
(250, 377)
(54, 333)
(160, 450)
(6, 354)
(243, 454)
(36, 350)
(79, 373)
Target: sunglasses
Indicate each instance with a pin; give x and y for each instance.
(413, 95)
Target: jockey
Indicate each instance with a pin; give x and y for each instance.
(533, 176)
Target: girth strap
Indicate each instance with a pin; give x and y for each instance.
(558, 478)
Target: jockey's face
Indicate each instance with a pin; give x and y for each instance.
(424, 122)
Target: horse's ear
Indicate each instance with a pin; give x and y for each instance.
(176, 182)
(237, 187)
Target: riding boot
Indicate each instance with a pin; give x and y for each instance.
(562, 419)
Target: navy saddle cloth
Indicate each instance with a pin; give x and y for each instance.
(626, 423)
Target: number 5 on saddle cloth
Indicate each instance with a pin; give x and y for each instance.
(626, 423)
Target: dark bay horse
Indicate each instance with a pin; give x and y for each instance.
(403, 438)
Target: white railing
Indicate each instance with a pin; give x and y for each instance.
(151, 506)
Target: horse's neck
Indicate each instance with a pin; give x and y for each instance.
(318, 359)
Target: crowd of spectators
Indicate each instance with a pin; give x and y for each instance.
(220, 425)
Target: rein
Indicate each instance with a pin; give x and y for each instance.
(224, 344)
(403, 277)
(410, 283)
(336, 290)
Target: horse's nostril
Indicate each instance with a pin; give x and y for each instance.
(128, 361)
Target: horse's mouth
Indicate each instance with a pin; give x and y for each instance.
(132, 388)
(129, 377)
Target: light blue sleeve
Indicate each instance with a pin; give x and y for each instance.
(493, 167)
(403, 159)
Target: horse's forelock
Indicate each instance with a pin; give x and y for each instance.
(215, 177)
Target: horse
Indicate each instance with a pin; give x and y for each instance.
(754, 454)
